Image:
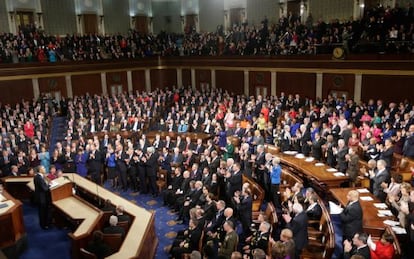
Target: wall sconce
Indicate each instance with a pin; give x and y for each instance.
(226, 14)
(182, 18)
(133, 19)
(151, 19)
(101, 17)
(79, 17)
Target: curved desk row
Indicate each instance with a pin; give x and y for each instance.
(139, 242)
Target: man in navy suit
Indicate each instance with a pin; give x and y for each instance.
(351, 216)
(42, 197)
(299, 226)
(381, 176)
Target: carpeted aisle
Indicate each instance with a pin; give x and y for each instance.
(50, 243)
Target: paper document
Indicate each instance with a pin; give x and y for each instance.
(363, 190)
(339, 174)
(392, 223)
(385, 212)
(399, 230)
(366, 198)
(335, 208)
(319, 164)
(53, 184)
(381, 206)
(331, 170)
(2, 198)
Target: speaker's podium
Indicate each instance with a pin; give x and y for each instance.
(74, 212)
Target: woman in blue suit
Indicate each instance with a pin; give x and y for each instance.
(81, 158)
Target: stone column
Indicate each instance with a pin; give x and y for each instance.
(193, 78)
(358, 88)
(147, 80)
(68, 80)
(129, 81)
(273, 83)
(179, 77)
(246, 82)
(213, 78)
(36, 91)
(103, 84)
(319, 80)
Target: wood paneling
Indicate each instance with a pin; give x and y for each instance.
(162, 78)
(117, 78)
(387, 88)
(53, 84)
(233, 81)
(203, 76)
(296, 83)
(14, 91)
(338, 83)
(259, 79)
(186, 73)
(138, 80)
(82, 84)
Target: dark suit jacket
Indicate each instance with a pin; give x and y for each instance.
(235, 182)
(364, 251)
(41, 192)
(351, 218)
(94, 164)
(114, 230)
(315, 213)
(151, 166)
(299, 227)
(377, 190)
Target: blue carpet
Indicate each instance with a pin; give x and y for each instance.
(337, 225)
(165, 226)
(43, 244)
(47, 244)
(57, 132)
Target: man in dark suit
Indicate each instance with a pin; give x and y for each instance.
(244, 209)
(317, 146)
(42, 198)
(357, 247)
(175, 185)
(151, 168)
(120, 213)
(177, 158)
(341, 153)
(234, 181)
(351, 216)
(94, 164)
(113, 228)
(299, 226)
(198, 149)
(381, 176)
(121, 159)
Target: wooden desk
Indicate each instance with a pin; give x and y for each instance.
(194, 136)
(316, 174)
(12, 230)
(372, 223)
(141, 240)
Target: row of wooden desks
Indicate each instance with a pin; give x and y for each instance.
(12, 229)
(139, 242)
(374, 212)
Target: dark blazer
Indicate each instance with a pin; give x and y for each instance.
(245, 210)
(317, 148)
(114, 230)
(341, 160)
(299, 227)
(235, 182)
(94, 163)
(377, 190)
(351, 218)
(364, 251)
(41, 193)
(198, 149)
(315, 213)
(151, 166)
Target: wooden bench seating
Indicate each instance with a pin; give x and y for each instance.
(114, 241)
(322, 239)
(257, 195)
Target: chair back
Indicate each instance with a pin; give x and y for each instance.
(86, 254)
(113, 240)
